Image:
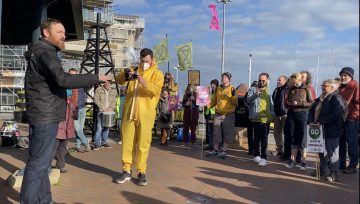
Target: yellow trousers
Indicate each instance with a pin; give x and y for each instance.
(136, 140)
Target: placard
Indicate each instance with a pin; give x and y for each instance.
(194, 77)
(173, 103)
(202, 95)
(315, 138)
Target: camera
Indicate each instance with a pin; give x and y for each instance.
(129, 76)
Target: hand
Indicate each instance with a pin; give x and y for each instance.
(259, 91)
(142, 81)
(105, 78)
(292, 103)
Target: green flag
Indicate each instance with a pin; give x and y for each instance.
(161, 51)
(184, 53)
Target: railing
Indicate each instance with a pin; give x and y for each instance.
(106, 17)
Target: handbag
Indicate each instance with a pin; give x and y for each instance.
(165, 117)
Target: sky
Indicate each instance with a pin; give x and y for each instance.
(283, 36)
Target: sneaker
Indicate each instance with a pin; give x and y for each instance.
(350, 170)
(77, 149)
(222, 155)
(262, 162)
(257, 159)
(213, 153)
(291, 164)
(63, 170)
(125, 176)
(96, 148)
(106, 145)
(332, 177)
(304, 166)
(119, 142)
(87, 148)
(141, 179)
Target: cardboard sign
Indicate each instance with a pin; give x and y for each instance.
(194, 77)
(173, 103)
(202, 95)
(315, 139)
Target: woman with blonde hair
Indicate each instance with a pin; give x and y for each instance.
(298, 100)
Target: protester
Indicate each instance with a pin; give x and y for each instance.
(80, 120)
(164, 118)
(45, 90)
(170, 84)
(191, 115)
(66, 129)
(119, 110)
(209, 117)
(260, 113)
(242, 114)
(306, 78)
(141, 99)
(104, 98)
(298, 100)
(224, 102)
(349, 90)
(327, 111)
(280, 114)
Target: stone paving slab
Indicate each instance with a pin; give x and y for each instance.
(177, 174)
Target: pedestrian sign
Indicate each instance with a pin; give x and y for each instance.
(315, 138)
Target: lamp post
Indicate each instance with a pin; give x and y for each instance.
(223, 35)
(177, 73)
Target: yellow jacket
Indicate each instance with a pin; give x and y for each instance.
(141, 102)
(224, 101)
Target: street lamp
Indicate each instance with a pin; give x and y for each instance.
(177, 73)
(223, 35)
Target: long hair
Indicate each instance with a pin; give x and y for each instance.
(308, 78)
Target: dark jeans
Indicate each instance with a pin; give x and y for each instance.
(35, 188)
(250, 137)
(295, 129)
(209, 133)
(60, 153)
(329, 161)
(349, 139)
(261, 131)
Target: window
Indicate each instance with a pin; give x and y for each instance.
(125, 49)
(125, 63)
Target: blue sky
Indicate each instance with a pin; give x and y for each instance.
(284, 36)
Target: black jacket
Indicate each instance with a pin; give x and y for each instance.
(242, 113)
(330, 114)
(46, 83)
(278, 98)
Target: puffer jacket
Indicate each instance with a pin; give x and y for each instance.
(46, 83)
(330, 115)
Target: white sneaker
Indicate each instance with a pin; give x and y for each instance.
(257, 159)
(262, 162)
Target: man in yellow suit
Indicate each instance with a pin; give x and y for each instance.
(141, 99)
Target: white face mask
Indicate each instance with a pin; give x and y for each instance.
(146, 65)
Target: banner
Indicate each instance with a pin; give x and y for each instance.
(184, 53)
(214, 24)
(161, 53)
(173, 103)
(315, 139)
(202, 95)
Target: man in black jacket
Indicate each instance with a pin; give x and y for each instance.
(45, 88)
(280, 114)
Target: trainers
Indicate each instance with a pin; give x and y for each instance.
(77, 149)
(96, 148)
(106, 145)
(119, 142)
(141, 179)
(290, 164)
(350, 170)
(125, 176)
(213, 153)
(332, 177)
(87, 148)
(222, 155)
(63, 170)
(257, 159)
(262, 162)
(304, 166)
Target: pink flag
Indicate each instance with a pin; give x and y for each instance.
(214, 24)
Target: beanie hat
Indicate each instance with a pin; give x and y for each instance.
(227, 74)
(215, 82)
(348, 71)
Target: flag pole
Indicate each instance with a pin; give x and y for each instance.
(168, 67)
(249, 70)
(317, 76)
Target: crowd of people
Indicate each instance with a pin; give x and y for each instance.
(56, 111)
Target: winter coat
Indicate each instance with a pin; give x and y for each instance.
(46, 83)
(224, 100)
(100, 97)
(66, 129)
(163, 108)
(330, 115)
(191, 112)
(302, 95)
(278, 98)
(350, 92)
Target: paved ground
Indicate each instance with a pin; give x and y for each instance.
(178, 175)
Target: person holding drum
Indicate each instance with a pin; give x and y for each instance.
(104, 98)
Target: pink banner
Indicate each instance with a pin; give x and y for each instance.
(202, 95)
(214, 24)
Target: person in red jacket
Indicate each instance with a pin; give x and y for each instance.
(349, 90)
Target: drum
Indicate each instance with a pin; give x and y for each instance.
(108, 119)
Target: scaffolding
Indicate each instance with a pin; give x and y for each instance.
(12, 73)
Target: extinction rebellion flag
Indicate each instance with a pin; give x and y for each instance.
(161, 53)
(184, 53)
